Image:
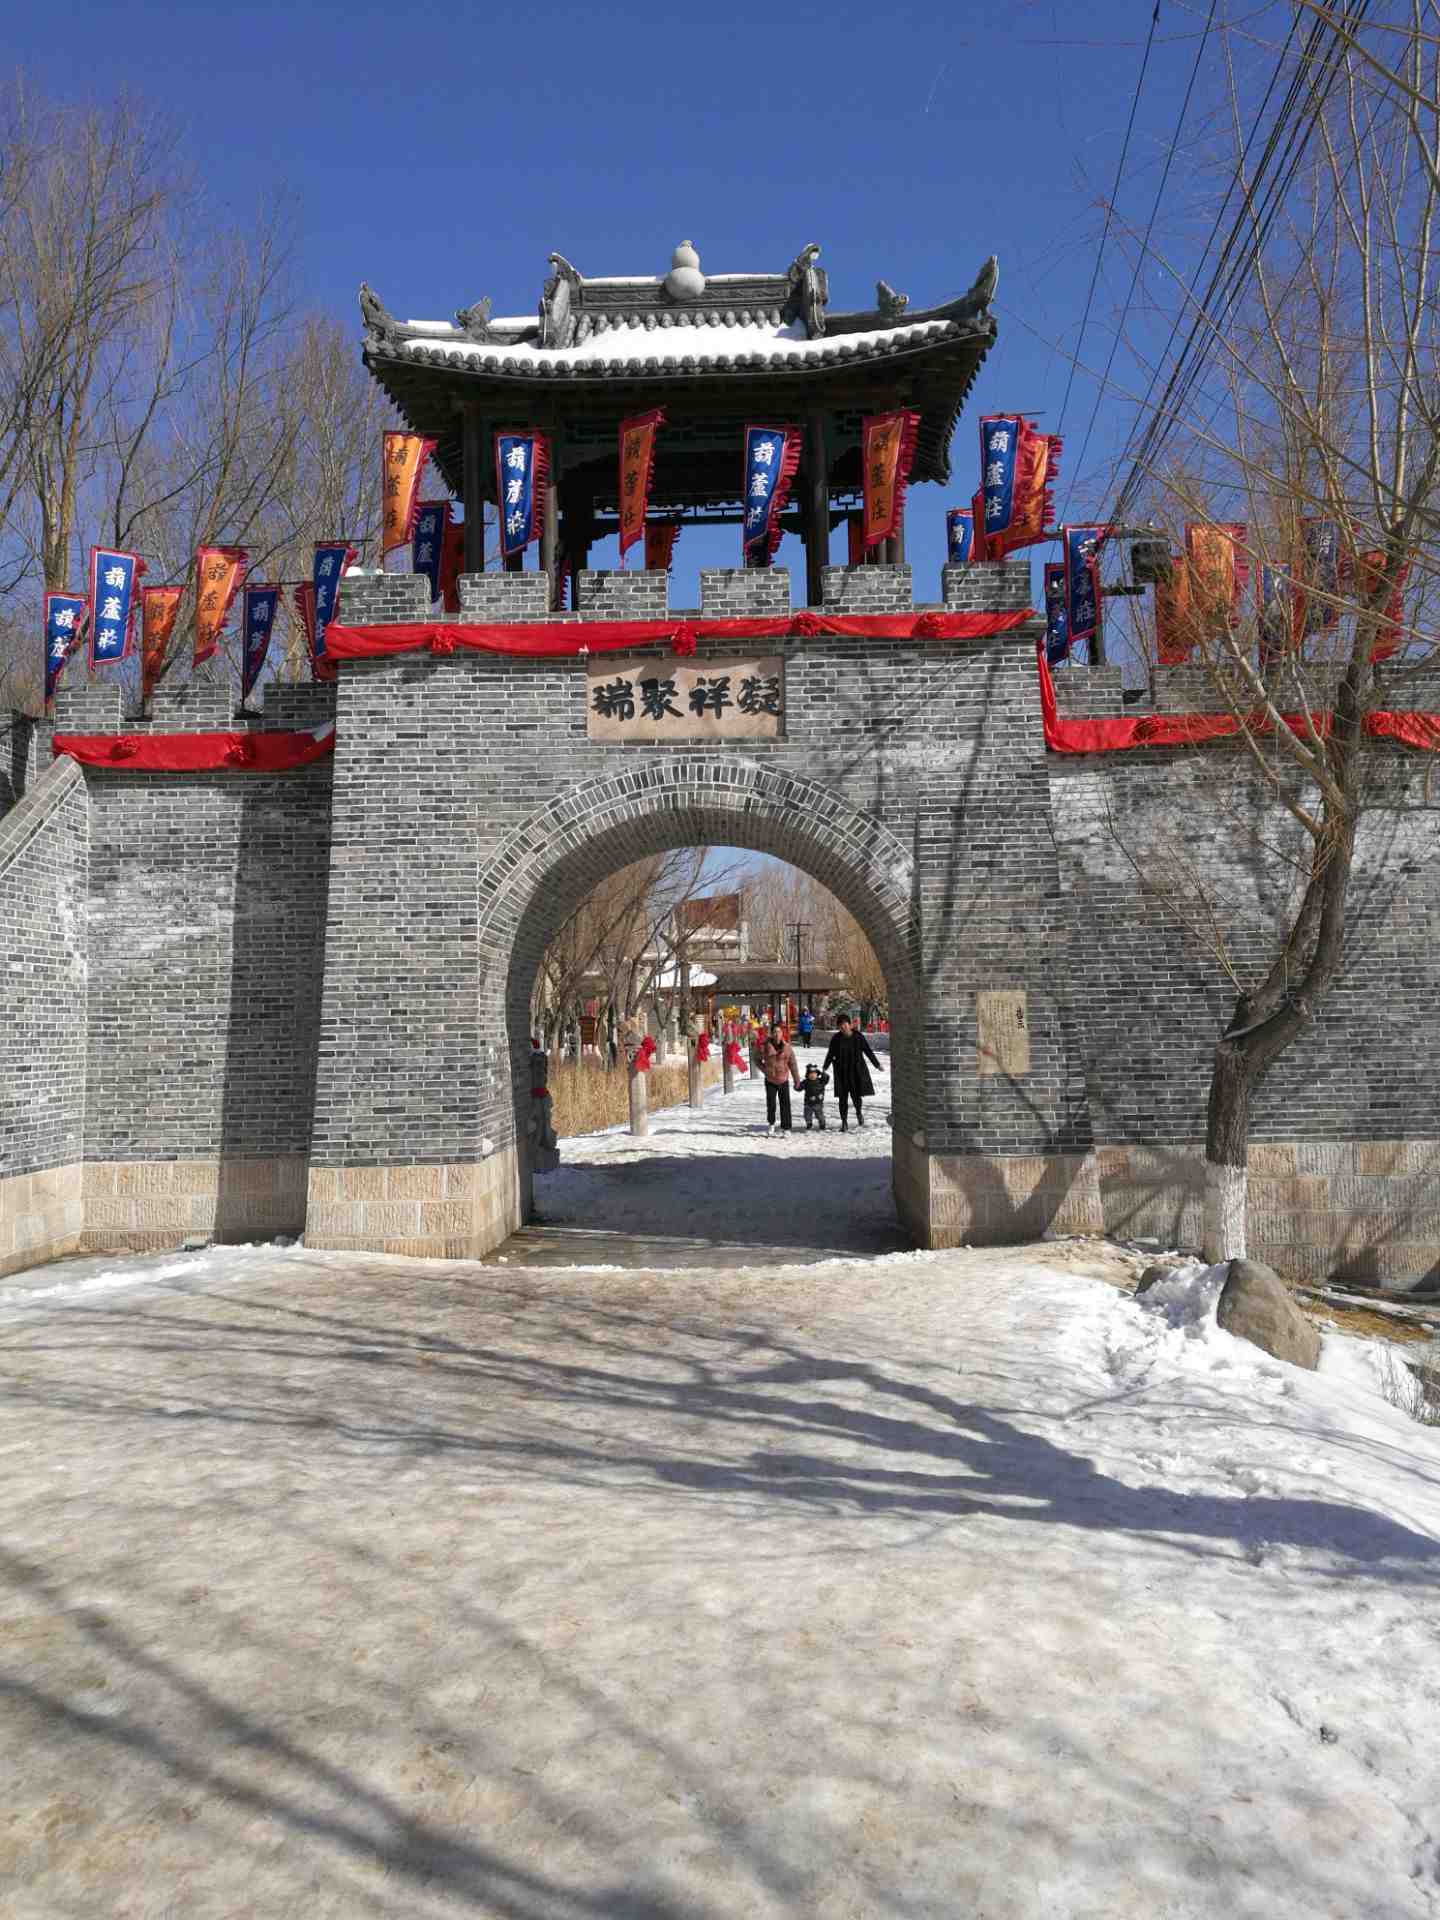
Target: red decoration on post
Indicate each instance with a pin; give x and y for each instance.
(702, 1047)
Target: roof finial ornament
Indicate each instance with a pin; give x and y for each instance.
(558, 304)
(474, 322)
(380, 323)
(890, 303)
(975, 304)
(685, 281)
(809, 291)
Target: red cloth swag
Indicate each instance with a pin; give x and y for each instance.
(197, 752)
(559, 638)
(1418, 730)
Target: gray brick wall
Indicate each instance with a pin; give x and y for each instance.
(866, 589)
(729, 593)
(991, 587)
(611, 595)
(383, 599)
(44, 850)
(504, 596)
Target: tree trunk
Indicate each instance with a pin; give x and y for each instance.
(1227, 1139)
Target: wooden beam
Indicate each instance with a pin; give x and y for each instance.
(816, 508)
(473, 455)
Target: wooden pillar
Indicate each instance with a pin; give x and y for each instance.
(817, 508)
(472, 446)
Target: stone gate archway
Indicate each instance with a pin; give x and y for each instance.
(549, 865)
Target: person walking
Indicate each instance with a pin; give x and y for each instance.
(781, 1070)
(846, 1057)
(807, 1026)
(813, 1088)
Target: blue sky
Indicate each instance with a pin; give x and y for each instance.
(442, 153)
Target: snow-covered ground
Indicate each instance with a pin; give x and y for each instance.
(927, 1585)
(716, 1173)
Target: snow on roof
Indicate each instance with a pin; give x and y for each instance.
(703, 345)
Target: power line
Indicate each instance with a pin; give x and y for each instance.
(1260, 204)
(1079, 466)
(1110, 211)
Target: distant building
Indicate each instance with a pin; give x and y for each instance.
(712, 932)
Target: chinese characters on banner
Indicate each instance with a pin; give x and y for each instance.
(305, 608)
(887, 452)
(431, 519)
(259, 606)
(660, 538)
(522, 466)
(332, 557)
(401, 466)
(1018, 467)
(959, 535)
(1082, 582)
(64, 624)
(772, 459)
(637, 461)
(113, 578)
(650, 700)
(218, 573)
(1057, 631)
(158, 608)
(1320, 576)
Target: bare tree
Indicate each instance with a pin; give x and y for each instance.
(1328, 416)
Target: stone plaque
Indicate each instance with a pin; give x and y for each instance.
(638, 701)
(1002, 1032)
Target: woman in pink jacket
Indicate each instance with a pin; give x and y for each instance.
(781, 1070)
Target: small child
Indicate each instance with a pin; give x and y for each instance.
(813, 1087)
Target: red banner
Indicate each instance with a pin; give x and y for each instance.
(980, 548)
(198, 752)
(637, 461)
(855, 539)
(887, 453)
(1369, 572)
(218, 573)
(158, 608)
(402, 463)
(1175, 634)
(660, 538)
(1219, 572)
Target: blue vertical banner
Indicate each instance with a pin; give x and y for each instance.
(331, 559)
(1082, 582)
(257, 622)
(522, 467)
(1320, 573)
(772, 459)
(1057, 624)
(113, 598)
(428, 544)
(999, 447)
(960, 536)
(64, 624)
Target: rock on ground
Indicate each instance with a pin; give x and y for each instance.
(1255, 1305)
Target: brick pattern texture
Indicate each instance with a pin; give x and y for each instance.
(243, 1002)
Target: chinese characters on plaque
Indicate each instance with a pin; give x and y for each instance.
(666, 699)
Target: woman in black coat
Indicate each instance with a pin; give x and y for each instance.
(848, 1052)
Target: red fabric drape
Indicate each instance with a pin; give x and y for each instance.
(197, 752)
(557, 638)
(1419, 730)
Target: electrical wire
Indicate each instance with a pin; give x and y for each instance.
(1110, 211)
(1079, 466)
(1260, 205)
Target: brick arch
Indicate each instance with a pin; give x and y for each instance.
(547, 866)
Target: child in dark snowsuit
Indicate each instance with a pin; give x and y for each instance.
(813, 1087)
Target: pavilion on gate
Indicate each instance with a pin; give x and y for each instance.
(718, 352)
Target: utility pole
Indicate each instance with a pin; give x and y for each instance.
(799, 928)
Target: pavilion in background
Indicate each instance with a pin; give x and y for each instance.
(718, 353)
